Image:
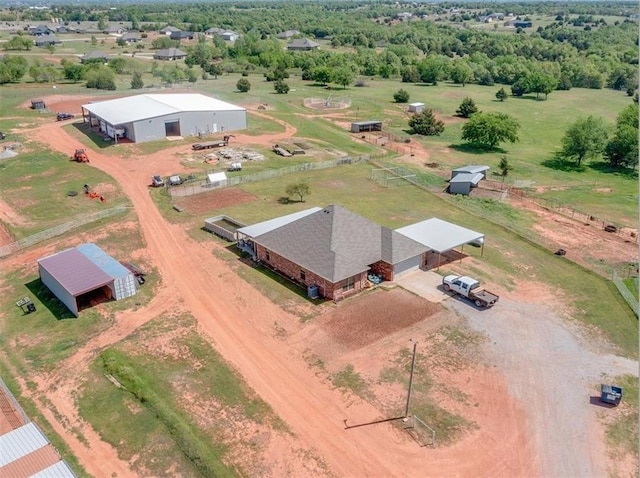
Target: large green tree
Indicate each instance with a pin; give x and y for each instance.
(300, 189)
(426, 123)
(585, 139)
(12, 68)
(461, 73)
(490, 129)
(622, 150)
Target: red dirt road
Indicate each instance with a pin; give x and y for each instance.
(239, 321)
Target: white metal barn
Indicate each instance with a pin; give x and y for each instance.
(77, 276)
(142, 118)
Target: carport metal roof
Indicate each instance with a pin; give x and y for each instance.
(75, 272)
(440, 236)
(140, 107)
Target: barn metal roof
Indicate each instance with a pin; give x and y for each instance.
(103, 260)
(473, 168)
(260, 228)
(141, 107)
(467, 178)
(75, 271)
(439, 235)
(58, 470)
(20, 442)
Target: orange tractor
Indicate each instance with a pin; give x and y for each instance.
(80, 156)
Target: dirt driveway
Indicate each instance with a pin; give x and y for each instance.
(551, 369)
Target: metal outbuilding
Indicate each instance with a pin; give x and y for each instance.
(84, 272)
(365, 126)
(416, 107)
(462, 183)
(471, 169)
(151, 117)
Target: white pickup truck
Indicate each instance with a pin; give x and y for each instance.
(469, 288)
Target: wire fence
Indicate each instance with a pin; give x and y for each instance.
(625, 292)
(392, 176)
(196, 185)
(58, 230)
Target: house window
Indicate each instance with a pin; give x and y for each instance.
(266, 256)
(348, 284)
(303, 276)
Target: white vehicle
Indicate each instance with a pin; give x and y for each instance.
(469, 288)
(175, 180)
(235, 166)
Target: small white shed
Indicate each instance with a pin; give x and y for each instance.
(416, 107)
(215, 180)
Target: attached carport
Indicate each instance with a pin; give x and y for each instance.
(442, 236)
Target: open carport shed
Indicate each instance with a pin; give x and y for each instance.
(77, 275)
(441, 236)
(142, 118)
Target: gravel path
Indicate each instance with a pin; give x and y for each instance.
(552, 372)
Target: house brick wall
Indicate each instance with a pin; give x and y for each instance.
(383, 269)
(293, 271)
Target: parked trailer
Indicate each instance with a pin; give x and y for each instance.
(281, 151)
(208, 145)
(469, 288)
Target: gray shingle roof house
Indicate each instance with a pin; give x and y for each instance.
(181, 35)
(169, 54)
(114, 30)
(94, 56)
(41, 30)
(214, 31)
(168, 30)
(287, 34)
(302, 44)
(334, 249)
(45, 40)
(131, 37)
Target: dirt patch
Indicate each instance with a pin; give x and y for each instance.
(369, 317)
(209, 202)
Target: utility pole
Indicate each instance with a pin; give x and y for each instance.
(413, 365)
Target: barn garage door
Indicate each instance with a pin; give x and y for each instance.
(408, 265)
(172, 128)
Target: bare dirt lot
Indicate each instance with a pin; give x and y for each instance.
(511, 397)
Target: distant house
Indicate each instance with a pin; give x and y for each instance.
(169, 54)
(131, 37)
(168, 30)
(230, 36)
(405, 16)
(214, 31)
(522, 24)
(182, 35)
(114, 30)
(64, 29)
(41, 30)
(288, 34)
(94, 56)
(46, 40)
(302, 44)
